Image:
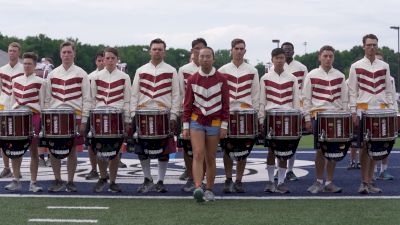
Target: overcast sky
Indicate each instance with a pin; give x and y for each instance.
(340, 23)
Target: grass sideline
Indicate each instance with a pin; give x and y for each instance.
(185, 211)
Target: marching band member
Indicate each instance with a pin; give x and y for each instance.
(244, 88)
(369, 88)
(183, 74)
(68, 85)
(111, 87)
(205, 120)
(7, 73)
(300, 71)
(324, 89)
(28, 93)
(279, 89)
(384, 174)
(93, 175)
(155, 86)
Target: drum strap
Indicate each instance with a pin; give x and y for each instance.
(364, 106)
(314, 113)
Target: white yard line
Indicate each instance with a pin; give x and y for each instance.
(61, 221)
(77, 207)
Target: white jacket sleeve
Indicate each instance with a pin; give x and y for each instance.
(176, 99)
(353, 89)
(307, 98)
(255, 91)
(263, 102)
(134, 94)
(127, 98)
(86, 98)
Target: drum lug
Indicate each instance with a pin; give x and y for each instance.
(41, 134)
(90, 134)
(322, 135)
(366, 137)
(270, 133)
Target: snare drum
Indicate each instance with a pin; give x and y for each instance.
(379, 125)
(58, 123)
(334, 126)
(152, 124)
(107, 122)
(283, 124)
(16, 124)
(242, 123)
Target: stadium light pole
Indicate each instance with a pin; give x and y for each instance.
(277, 41)
(398, 55)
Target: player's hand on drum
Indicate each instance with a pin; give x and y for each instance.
(222, 133)
(172, 126)
(186, 134)
(309, 126)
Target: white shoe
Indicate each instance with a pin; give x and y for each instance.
(33, 187)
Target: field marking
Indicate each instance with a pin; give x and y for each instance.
(62, 221)
(216, 197)
(77, 207)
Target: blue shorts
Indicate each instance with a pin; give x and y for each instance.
(209, 130)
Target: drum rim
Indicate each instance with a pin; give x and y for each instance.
(243, 111)
(152, 111)
(14, 112)
(379, 111)
(106, 110)
(284, 111)
(58, 110)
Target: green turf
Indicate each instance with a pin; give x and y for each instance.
(164, 212)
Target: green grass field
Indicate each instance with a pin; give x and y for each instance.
(163, 212)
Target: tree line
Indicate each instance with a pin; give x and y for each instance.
(137, 55)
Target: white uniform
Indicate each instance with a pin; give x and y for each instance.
(112, 89)
(7, 74)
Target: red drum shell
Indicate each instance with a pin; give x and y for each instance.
(380, 125)
(152, 124)
(107, 122)
(15, 124)
(283, 124)
(58, 122)
(335, 126)
(243, 123)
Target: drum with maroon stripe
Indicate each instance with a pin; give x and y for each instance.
(107, 131)
(58, 131)
(16, 132)
(334, 133)
(153, 132)
(380, 129)
(283, 131)
(242, 133)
